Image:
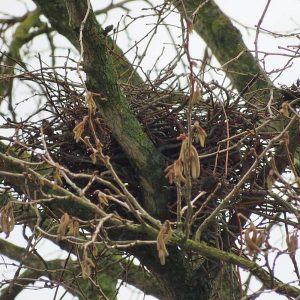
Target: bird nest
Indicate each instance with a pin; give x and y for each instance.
(228, 122)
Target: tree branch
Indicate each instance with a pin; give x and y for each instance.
(102, 79)
(22, 35)
(268, 280)
(226, 43)
(132, 274)
(57, 15)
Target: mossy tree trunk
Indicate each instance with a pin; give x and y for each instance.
(186, 275)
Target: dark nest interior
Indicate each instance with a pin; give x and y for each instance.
(232, 142)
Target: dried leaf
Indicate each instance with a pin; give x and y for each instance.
(261, 238)
(184, 151)
(103, 199)
(93, 157)
(95, 250)
(74, 228)
(79, 128)
(90, 102)
(195, 163)
(86, 266)
(199, 134)
(163, 237)
(178, 171)
(170, 174)
(63, 227)
(254, 239)
(285, 108)
(292, 243)
(7, 219)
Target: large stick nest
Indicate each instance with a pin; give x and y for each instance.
(231, 145)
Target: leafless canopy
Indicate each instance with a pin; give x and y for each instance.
(188, 166)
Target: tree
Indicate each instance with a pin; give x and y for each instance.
(114, 164)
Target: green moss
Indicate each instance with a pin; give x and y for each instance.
(226, 43)
(102, 78)
(22, 34)
(108, 285)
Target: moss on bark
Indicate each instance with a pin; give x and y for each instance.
(226, 44)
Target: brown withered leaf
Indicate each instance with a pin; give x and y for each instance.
(174, 172)
(64, 224)
(79, 128)
(183, 156)
(93, 157)
(254, 239)
(7, 219)
(178, 171)
(103, 199)
(195, 163)
(163, 237)
(74, 228)
(199, 134)
(170, 173)
(90, 102)
(86, 266)
(67, 226)
(285, 108)
(292, 243)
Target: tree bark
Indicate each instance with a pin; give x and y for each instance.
(102, 79)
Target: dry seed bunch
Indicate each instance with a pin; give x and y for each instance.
(86, 265)
(67, 226)
(254, 239)
(285, 108)
(292, 243)
(179, 169)
(199, 134)
(90, 102)
(163, 237)
(7, 219)
(79, 128)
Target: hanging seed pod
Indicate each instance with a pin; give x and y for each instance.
(195, 163)
(254, 239)
(86, 266)
(90, 102)
(170, 173)
(178, 171)
(63, 225)
(199, 134)
(67, 226)
(163, 237)
(79, 128)
(7, 219)
(292, 243)
(285, 109)
(184, 151)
